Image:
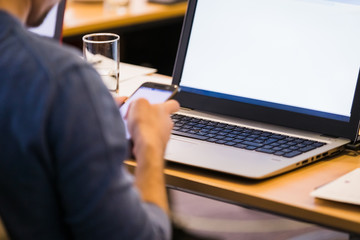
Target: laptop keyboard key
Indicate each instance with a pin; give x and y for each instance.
(185, 134)
(318, 144)
(265, 150)
(240, 145)
(307, 148)
(292, 154)
(279, 153)
(211, 139)
(256, 145)
(250, 147)
(230, 143)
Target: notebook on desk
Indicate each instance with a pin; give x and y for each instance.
(267, 86)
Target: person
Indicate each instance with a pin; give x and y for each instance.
(63, 144)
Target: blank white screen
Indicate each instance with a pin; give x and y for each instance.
(302, 53)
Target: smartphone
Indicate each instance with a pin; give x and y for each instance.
(153, 92)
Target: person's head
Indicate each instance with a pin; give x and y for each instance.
(30, 12)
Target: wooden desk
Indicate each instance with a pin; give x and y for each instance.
(285, 195)
(81, 18)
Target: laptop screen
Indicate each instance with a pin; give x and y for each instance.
(293, 63)
(53, 23)
(294, 55)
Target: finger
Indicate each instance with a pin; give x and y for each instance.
(120, 100)
(138, 103)
(172, 106)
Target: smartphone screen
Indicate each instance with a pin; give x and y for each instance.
(153, 92)
(153, 95)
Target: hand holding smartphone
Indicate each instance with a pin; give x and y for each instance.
(153, 92)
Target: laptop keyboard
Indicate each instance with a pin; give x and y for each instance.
(241, 137)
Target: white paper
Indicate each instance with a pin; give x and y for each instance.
(343, 189)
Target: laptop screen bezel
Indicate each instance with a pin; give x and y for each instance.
(326, 126)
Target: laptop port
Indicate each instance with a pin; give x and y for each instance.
(305, 161)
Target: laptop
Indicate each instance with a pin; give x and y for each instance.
(52, 25)
(282, 73)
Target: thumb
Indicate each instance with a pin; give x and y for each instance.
(171, 106)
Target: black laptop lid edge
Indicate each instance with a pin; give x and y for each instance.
(335, 128)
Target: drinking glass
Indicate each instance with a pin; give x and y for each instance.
(102, 50)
